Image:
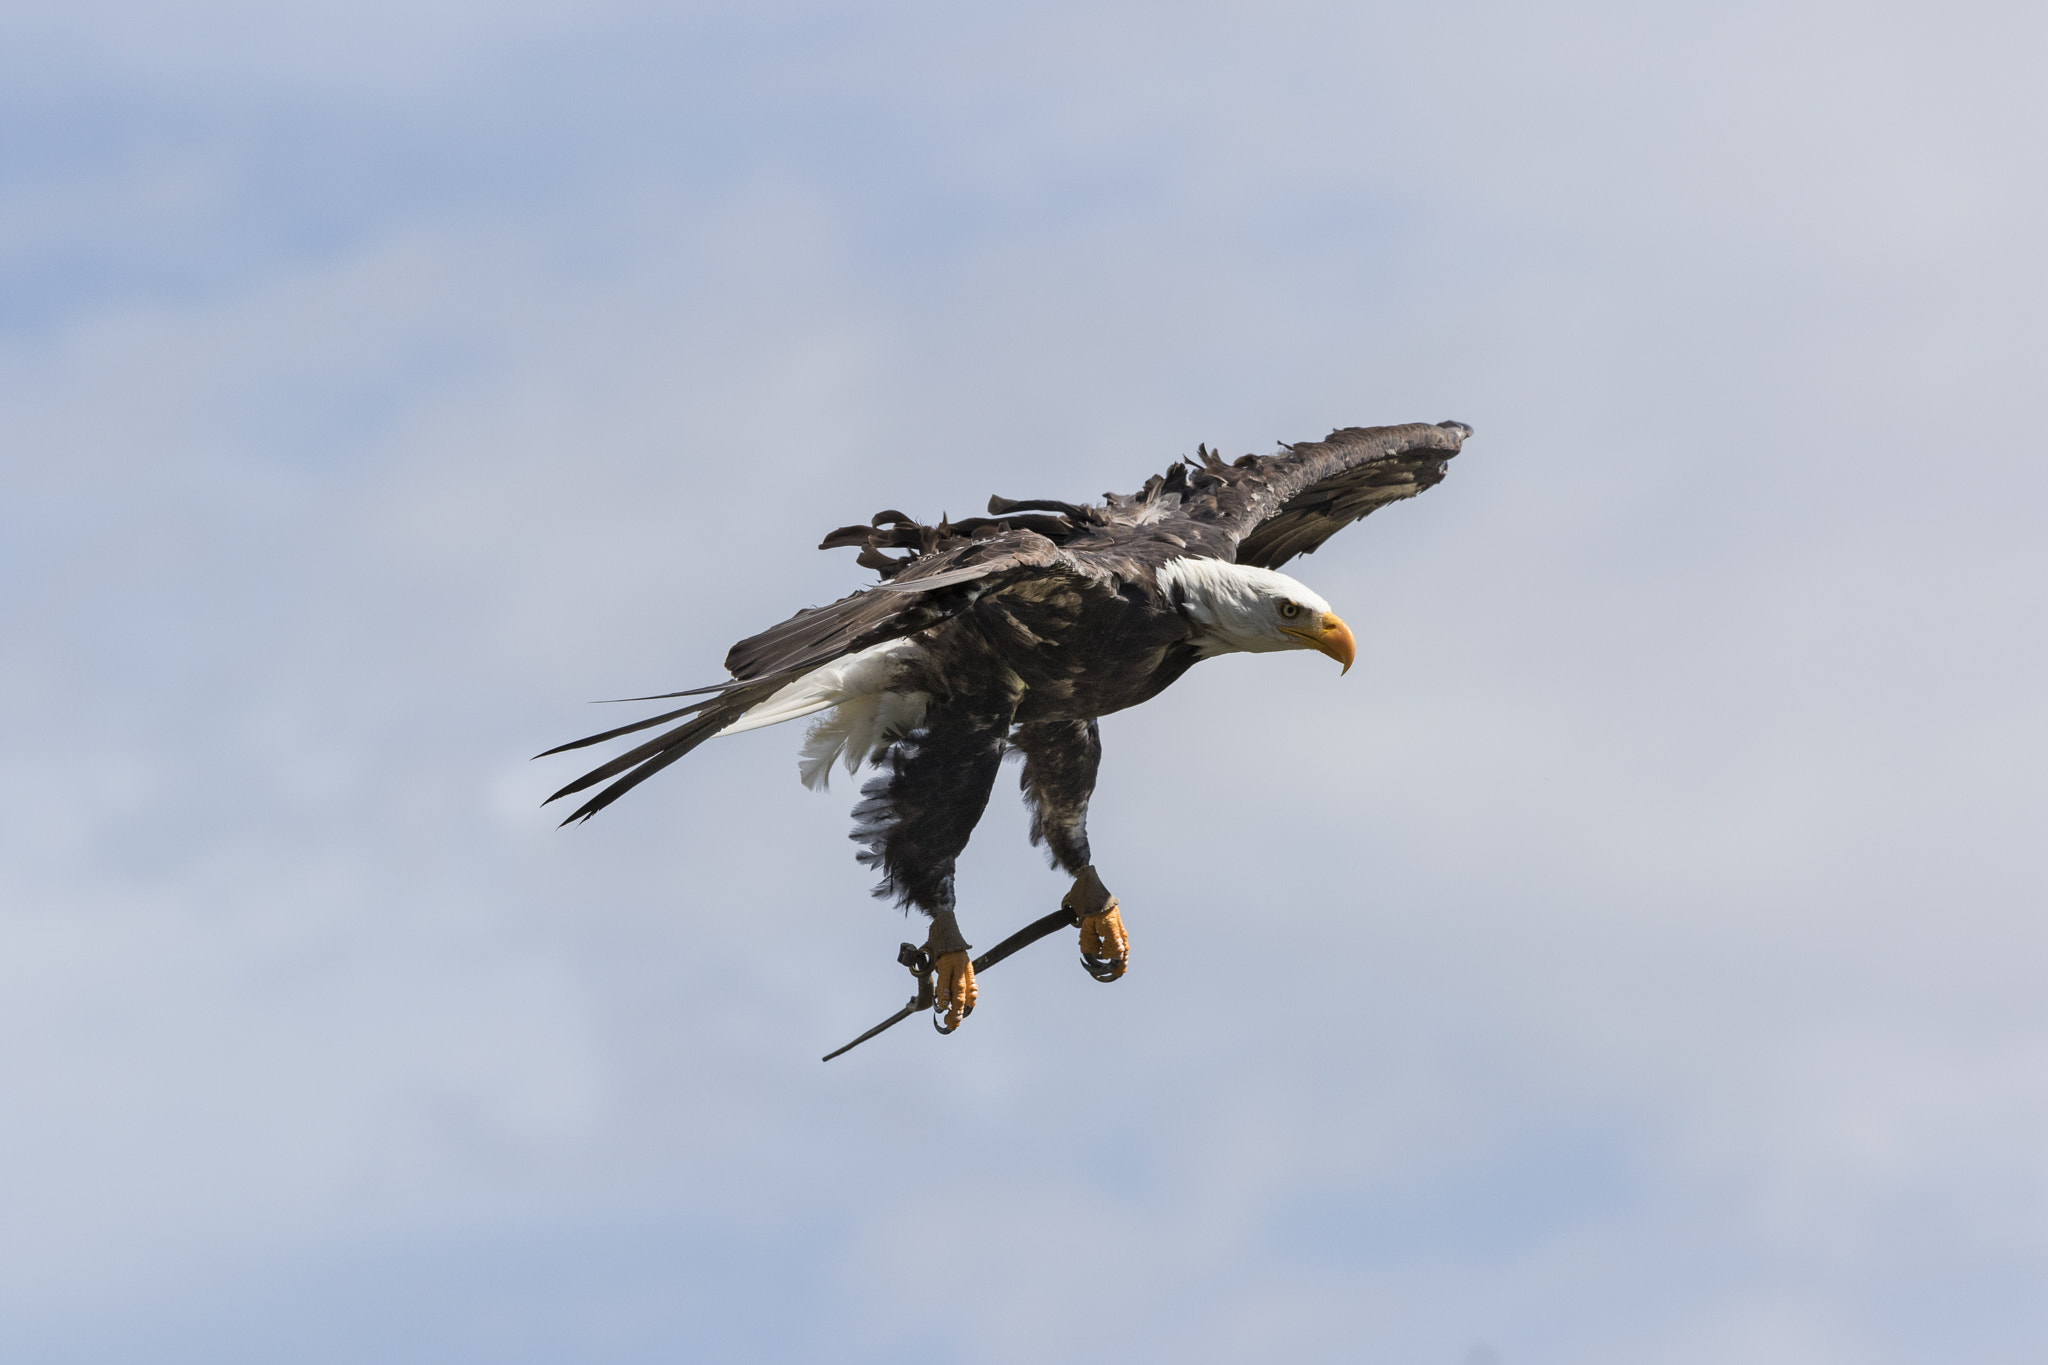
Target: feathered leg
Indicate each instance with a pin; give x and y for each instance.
(1060, 761)
(918, 815)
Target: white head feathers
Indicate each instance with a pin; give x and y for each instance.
(1239, 608)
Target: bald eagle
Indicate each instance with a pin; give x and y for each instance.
(1015, 633)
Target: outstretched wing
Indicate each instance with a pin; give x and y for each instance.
(1260, 510)
(930, 589)
(1278, 506)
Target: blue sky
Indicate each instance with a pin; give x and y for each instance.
(1636, 957)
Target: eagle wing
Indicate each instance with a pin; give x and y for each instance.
(1274, 507)
(926, 590)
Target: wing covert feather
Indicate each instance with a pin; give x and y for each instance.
(929, 590)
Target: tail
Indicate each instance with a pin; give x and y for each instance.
(707, 718)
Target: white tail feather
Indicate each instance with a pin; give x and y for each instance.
(822, 747)
(865, 715)
(871, 670)
(859, 730)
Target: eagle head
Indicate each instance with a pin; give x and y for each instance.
(1238, 609)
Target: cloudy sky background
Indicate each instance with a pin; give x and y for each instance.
(1640, 959)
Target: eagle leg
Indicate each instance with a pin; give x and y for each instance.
(917, 817)
(1060, 762)
(1105, 947)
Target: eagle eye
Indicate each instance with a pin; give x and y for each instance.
(1289, 610)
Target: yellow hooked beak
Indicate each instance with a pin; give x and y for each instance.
(1334, 640)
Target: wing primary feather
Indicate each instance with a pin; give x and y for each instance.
(630, 781)
(651, 757)
(614, 734)
(930, 582)
(688, 735)
(664, 696)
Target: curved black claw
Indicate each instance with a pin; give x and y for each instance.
(939, 1019)
(1105, 968)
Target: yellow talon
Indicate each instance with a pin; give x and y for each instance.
(1102, 934)
(954, 987)
(1105, 948)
